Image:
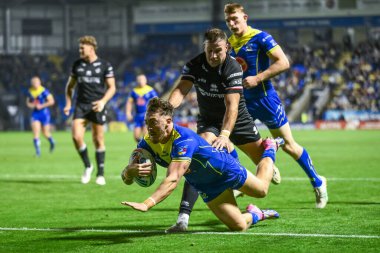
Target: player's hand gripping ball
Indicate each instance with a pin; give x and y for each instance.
(140, 155)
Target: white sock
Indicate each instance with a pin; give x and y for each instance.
(183, 218)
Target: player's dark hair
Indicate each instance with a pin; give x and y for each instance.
(214, 34)
(233, 7)
(158, 105)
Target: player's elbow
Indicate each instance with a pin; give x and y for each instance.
(285, 64)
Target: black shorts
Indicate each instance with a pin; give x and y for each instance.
(84, 111)
(245, 130)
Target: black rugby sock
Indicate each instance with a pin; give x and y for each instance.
(84, 155)
(100, 157)
(189, 197)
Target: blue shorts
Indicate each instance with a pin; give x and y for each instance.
(41, 116)
(232, 178)
(139, 120)
(269, 110)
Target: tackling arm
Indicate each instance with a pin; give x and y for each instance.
(179, 92)
(232, 107)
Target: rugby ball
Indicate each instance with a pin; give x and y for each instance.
(140, 155)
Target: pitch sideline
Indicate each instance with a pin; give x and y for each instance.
(194, 233)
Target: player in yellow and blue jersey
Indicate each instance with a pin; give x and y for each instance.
(139, 98)
(39, 100)
(212, 172)
(261, 59)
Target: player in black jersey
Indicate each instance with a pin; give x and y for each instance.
(96, 86)
(223, 115)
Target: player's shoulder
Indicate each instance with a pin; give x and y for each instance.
(197, 60)
(183, 133)
(78, 62)
(231, 66)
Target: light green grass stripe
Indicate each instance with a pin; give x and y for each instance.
(72, 176)
(194, 233)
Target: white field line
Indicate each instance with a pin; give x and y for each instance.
(73, 176)
(196, 233)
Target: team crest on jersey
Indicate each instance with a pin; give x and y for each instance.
(182, 150)
(249, 48)
(242, 63)
(214, 88)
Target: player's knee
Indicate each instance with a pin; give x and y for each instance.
(77, 139)
(262, 193)
(289, 148)
(239, 227)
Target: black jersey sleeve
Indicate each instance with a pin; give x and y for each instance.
(108, 72)
(74, 69)
(233, 76)
(188, 72)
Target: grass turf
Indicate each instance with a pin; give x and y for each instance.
(50, 211)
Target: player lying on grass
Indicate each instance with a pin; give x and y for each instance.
(214, 173)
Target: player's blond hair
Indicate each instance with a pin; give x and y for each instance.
(88, 40)
(233, 7)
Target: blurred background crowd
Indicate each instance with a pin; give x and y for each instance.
(335, 66)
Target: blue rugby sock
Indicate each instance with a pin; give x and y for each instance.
(271, 153)
(305, 162)
(37, 146)
(255, 218)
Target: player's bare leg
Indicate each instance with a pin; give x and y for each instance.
(137, 133)
(36, 128)
(98, 139)
(78, 131)
(300, 154)
(46, 130)
(227, 211)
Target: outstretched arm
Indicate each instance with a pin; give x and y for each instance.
(175, 171)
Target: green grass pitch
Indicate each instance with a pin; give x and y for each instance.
(45, 208)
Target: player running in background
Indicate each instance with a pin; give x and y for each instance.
(212, 172)
(39, 100)
(261, 59)
(223, 115)
(139, 98)
(96, 86)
